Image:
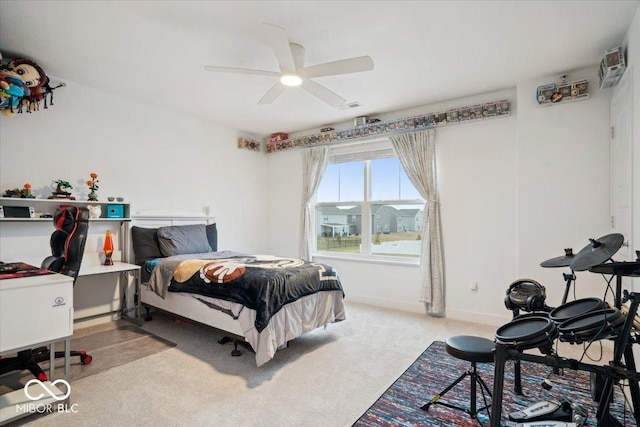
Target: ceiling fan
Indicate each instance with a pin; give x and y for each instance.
(290, 57)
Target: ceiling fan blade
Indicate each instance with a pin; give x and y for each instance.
(298, 55)
(280, 44)
(323, 93)
(272, 94)
(240, 71)
(344, 66)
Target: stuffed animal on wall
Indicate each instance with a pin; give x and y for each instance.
(12, 91)
(36, 80)
(32, 74)
(23, 87)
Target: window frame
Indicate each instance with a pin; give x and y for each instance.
(365, 152)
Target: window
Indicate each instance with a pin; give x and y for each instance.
(367, 205)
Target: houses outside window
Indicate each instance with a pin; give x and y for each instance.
(366, 206)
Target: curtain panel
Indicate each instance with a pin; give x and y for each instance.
(314, 163)
(416, 152)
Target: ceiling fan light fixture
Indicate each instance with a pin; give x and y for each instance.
(290, 57)
(291, 80)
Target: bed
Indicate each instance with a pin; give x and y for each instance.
(263, 300)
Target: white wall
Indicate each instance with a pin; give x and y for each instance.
(155, 159)
(478, 194)
(563, 191)
(283, 205)
(632, 42)
(514, 192)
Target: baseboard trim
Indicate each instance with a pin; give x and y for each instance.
(484, 318)
(418, 307)
(95, 320)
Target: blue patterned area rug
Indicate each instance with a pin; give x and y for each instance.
(435, 369)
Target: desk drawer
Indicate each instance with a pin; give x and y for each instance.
(33, 314)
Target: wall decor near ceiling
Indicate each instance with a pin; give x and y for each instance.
(24, 86)
(563, 92)
(612, 67)
(251, 144)
(372, 127)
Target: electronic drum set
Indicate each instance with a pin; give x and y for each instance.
(581, 321)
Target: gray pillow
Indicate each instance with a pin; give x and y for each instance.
(145, 244)
(183, 239)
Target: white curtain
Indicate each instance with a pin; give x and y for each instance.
(417, 154)
(314, 163)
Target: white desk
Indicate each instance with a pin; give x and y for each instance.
(124, 269)
(34, 311)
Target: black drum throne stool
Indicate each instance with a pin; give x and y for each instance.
(474, 350)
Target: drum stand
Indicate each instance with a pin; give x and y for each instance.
(621, 347)
(614, 372)
(517, 377)
(568, 278)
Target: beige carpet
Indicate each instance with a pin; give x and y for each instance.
(326, 378)
(110, 345)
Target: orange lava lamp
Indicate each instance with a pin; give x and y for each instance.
(108, 248)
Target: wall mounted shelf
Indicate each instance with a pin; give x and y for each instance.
(564, 101)
(451, 116)
(562, 93)
(49, 206)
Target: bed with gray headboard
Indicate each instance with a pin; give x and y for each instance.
(263, 300)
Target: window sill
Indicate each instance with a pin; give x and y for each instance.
(369, 259)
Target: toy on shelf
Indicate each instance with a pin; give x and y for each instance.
(366, 127)
(563, 92)
(60, 191)
(23, 193)
(612, 67)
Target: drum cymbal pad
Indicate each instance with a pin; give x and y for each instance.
(597, 252)
(559, 261)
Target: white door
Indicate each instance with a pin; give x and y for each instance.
(621, 166)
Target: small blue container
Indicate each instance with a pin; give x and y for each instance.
(115, 211)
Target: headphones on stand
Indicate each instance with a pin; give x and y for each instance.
(527, 295)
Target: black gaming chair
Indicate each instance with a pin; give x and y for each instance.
(67, 247)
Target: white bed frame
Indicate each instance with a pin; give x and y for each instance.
(192, 309)
(315, 310)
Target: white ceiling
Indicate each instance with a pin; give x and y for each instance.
(424, 51)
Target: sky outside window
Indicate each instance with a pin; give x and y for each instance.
(389, 181)
(342, 182)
